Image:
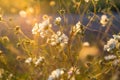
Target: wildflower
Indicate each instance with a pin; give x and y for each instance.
(104, 20)
(39, 60)
(117, 37)
(110, 57)
(111, 44)
(62, 12)
(73, 70)
(35, 61)
(17, 28)
(58, 39)
(56, 74)
(77, 28)
(19, 58)
(76, 3)
(28, 60)
(35, 28)
(5, 39)
(42, 28)
(58, 20)
(45, 17)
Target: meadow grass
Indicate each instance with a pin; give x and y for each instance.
(78, 40)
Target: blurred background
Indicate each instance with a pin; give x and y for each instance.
(47, 6)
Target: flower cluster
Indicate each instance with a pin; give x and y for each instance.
(113, 43)
(58, 39)
(58, 20)
(78, 28)
(113, 59)
(117, 37)
(110, 57)
(42, 28)
(72, 71)
(28, 60)
(104, 20)
(35, 61)
(56, 74)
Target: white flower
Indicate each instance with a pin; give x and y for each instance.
(110, 57)
(35, 28)
(56, 74)
(117, 37)
(73, 70)
(104, 20)
(111, 44)
(58, 20)
(28, 60)
(45, 23)
(34, 60)
(76, 28)
(78, 24)
(39, 60)
(58, 39)
(42, 28)
(51, 77)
